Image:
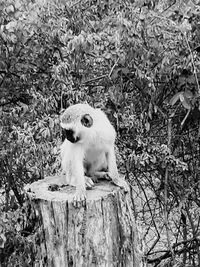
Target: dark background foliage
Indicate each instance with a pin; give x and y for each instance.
(139, 62)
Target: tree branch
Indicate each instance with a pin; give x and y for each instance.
(168, 253)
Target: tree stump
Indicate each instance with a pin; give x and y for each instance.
(102, 233)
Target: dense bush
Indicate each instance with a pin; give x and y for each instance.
(139, 62)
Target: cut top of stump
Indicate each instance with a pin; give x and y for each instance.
(52, 189)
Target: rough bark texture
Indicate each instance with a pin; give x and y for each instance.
(103, 233)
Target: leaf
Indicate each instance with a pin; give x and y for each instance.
(185, 26)
(2, 240)
(125, 71)
(175, 98)
(185, 102)
(11, 26)
(107, 55)
(181, 97)
(115, 74)
(17, 14)
(191, 79)
(181, 82)
(147, 126)
(10, 9)
(17, 4)
(188, 94)
(142, 17)
(46, 133)
(13, 38)
(51, 123)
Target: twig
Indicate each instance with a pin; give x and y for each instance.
(95, 79)
(183, 121)
(193, 232)
(184, 227)
(193, 64)
(153, 221)
(169, 128)
(113, 68)
(174, 2)
(180, 243)
(168, 255)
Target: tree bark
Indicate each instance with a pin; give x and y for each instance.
(102, 233)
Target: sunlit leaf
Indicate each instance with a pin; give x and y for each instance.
(10, 9)
(175, 98)
(2, 240)
(11, 26)
(186, 103)
(147, 126)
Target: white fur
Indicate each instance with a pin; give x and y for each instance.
(94, 151)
